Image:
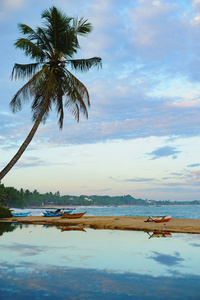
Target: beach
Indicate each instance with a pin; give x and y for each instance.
(114, 223)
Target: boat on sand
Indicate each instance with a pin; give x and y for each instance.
(159, 219)
(20, 214)
(56, 213)
(47, 214)
(73, 216)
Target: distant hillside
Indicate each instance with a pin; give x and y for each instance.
(11, 197)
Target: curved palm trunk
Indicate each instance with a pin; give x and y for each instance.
(24, 145)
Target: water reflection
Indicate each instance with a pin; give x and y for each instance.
(71, 228)
(67, 283)
(6, 227)
(40, 262)
(159, 234)
(168, 260)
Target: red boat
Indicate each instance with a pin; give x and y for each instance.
(73, 216)
(159, 219)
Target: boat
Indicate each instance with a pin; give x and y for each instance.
(53, 211)
(73, 216)
(48, 214)
(56, 213)
(159, 219)
(20, 214)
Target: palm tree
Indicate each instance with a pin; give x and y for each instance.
(50, 83)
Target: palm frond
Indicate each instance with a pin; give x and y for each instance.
(85, 64)
(57, 28)
(31, 49)
(82, 26)
(44, 42)
(27, 30)
(26, 70)
(53, 14)
(77, 96)
(28, 90)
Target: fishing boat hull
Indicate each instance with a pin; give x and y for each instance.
(20, 214)
(51, 215)
(159, 219)
(162, 219)
(73, 216)
(56, 213)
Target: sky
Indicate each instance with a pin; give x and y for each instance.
(142, 136)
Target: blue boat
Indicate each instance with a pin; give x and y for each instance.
(49, 214)
(20, 214)
(56, 213)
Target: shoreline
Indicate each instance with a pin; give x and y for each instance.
(123, 205)
(191, 226)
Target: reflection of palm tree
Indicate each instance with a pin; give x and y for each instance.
(6, 227)
(51, 84)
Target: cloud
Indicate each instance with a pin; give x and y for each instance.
(156, 33)
(193, 165)
(123, 103)
(138, 180)
(99, 190)
(196, 173)
(9, 6)
(164, 152)
(27, 162)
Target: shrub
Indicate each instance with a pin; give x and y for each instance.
(4, 212)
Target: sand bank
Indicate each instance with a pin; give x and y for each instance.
(114, 223)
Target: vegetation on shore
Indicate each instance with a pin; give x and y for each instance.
(11, 197)
(5, 213)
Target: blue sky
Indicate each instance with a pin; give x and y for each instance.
(142, 136)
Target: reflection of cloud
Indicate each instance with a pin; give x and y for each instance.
(26, 250)
(194, 245)
(39, 282)
(166, 259)
(30, 250)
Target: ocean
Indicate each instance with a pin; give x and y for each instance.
(179, 211)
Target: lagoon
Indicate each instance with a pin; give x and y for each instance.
(43, 262)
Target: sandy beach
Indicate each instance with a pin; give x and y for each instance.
(114, 223)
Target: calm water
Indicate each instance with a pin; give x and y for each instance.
(185, 212)
(39, 262)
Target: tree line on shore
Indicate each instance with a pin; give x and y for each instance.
(11, 197)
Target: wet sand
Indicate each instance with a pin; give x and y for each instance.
(114, 223)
